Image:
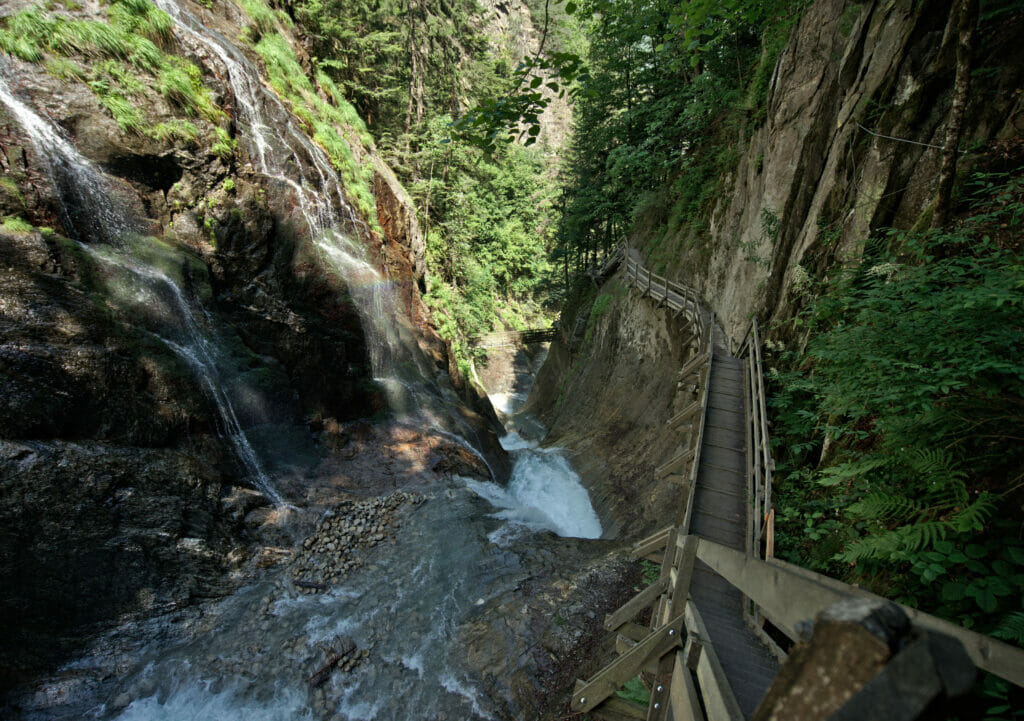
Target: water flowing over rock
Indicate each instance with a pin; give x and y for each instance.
(194, 507)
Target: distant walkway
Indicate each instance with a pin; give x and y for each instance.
(504, 339)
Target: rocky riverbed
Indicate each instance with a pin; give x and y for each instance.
(335, 547)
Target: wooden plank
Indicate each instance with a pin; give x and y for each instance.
(654, 542)
(684, 414)
(683, 698)
(614, 675)
(636, 604)
(675, 462)
(719, 700)
(616, 708)
(693, 364)
(728, 460)
(634, 631)
(685, 560)
(657, 708)
(623, 644)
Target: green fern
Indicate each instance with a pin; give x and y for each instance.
(851, 470)
(1011, 628)
(885, 505)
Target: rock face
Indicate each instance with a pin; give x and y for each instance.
(608, 403)
(810, 186)
(817, 177)
(121, 492)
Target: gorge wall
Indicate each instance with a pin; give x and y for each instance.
(120, 492)
(814, 179)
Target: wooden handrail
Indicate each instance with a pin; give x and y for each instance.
(789, 595)
(759, 459)
(782, 594)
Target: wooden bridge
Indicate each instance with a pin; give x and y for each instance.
(705, 651)
(502, 339)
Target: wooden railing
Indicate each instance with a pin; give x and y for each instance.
(788, 596)
(676, 296)
(761, 521)
(675, 648)
(672, 614)
(502, 339)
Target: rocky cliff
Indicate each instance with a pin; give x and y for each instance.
(168, 303)
(850, 142)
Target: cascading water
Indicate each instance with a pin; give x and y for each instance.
(91, 212)
(395, 357)
(276, 145)
(252, 654)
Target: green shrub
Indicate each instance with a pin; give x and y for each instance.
(914, 376)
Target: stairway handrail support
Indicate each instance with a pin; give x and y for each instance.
(760, 465)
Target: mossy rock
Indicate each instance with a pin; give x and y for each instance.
(12, 202)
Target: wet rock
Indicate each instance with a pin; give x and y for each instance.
(336, 546)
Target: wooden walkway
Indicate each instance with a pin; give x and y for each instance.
(502, 339)
(720, 515)
(703, 653)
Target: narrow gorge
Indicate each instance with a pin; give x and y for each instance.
(258, 459)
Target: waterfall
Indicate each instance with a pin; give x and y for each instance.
(273, 143)
(396, 360)
(90, 212)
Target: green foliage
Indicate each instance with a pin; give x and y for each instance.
(601, 304)
(659, 115)
(489, 235)
(913, 381)
(16, 224)
(225, 146)
(325, 121)
(636, 691)
(115, 55)
(651, 571)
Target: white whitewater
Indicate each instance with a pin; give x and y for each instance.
(74, 175)
(544, 492)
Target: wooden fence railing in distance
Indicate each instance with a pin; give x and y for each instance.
(676, 296)
(502, 339)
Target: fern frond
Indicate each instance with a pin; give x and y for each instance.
(934, 464)
(880, 546)
(885, 504)
(974, 516)
(1011, 628)
(894, 545)
(923, 534)
(835, 475)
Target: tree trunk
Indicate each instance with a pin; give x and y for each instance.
(966, 19)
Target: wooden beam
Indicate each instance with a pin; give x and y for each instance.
(654, 542)
(658, 706)
(683, 694)
(634, 631)
(674, 463)
(685, 558)
(719, 700)
(623, 644)
(693, 364)
(690, 654)
(611, 678)
(678, 418)
(636, 604)
(617, 708)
